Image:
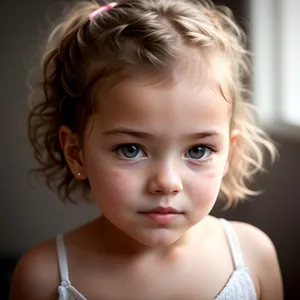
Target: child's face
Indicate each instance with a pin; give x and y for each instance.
(154, 146)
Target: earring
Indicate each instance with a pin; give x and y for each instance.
(79, 174)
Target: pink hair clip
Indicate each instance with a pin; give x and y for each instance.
(102, 9)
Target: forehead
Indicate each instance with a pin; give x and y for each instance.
(179, 104)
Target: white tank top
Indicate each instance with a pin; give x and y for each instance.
(239, 287)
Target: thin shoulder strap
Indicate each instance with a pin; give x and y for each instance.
(62, 258)
(234, 243)
(65, 287)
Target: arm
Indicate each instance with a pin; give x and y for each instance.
(36, 275)
(260, 255)
(269, 274)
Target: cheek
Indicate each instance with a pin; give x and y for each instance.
(205, 187)
(114, 185)
(203, 193)
(214, 184)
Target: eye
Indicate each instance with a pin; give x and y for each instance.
(199, 152)
(130, 151)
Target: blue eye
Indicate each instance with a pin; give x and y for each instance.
(130, 151)
(199, 152)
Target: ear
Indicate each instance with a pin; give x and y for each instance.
(69, 143)
(233, 138)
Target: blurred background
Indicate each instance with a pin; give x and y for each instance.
(29, 216)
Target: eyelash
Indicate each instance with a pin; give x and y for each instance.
(208, 147)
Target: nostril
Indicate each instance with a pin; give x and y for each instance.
(165, 184)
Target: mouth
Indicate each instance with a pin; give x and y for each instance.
(162, 210)
(162, 215)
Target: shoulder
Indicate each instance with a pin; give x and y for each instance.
(260, 255)
(252, 238)
(36, 275)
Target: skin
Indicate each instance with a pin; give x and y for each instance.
(162, 173)
(178, 150)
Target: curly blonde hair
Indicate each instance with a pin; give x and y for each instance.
(138, 36)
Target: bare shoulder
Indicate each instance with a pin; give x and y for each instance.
(261, 257)
(36, 275)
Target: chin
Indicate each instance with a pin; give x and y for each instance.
(159, 239)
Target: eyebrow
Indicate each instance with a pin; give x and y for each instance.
(146, 135)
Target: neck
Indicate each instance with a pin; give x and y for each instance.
(114, 241)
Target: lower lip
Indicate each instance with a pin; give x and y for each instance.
(162, 218)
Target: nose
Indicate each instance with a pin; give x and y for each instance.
(165, 181)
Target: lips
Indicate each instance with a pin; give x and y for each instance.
(163, 210)
(162, 215)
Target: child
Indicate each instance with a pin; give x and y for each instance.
(159, 79)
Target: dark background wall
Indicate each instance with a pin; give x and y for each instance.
(28, 216)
